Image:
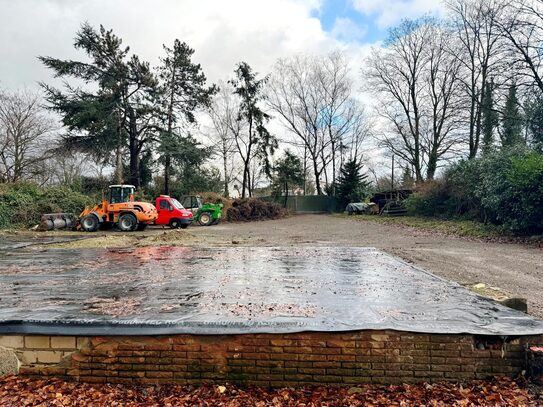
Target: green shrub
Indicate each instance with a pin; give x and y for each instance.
(504, 188)
(22, 204)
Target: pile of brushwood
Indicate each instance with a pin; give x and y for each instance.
(17, 391)
(245, 210)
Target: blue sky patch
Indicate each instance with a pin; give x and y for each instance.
(332, 10)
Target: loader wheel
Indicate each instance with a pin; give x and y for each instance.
(174, 223)
(205, 219)
(90, 223)
(127, 222)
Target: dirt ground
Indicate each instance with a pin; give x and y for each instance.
(515, 269)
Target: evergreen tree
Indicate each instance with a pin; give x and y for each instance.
(352, 185)
(259, 142)
(490, 117)
(183, 89)
(289, 173)
(534, 123)
(407, 178)
(511, 119)
(118, 116)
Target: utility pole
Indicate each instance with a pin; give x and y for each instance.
(392, 172)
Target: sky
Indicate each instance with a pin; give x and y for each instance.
(222, 32)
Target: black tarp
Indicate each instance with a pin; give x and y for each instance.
(169, 290)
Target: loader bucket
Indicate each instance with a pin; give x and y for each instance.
(52, 221)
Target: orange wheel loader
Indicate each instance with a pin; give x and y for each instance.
(120, 209)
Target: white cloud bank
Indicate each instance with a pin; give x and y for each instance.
(222, 32)
(390, 12)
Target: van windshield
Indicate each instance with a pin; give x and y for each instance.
(176, 203)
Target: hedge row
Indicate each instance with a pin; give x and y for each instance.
(504, 188)
(22, 204)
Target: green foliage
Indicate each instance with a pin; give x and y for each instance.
(490, 117)
(534, 119)
(512, 119)
(261, 143)
(288, 173)
(22, 204)
(352, 185)
(503, 187)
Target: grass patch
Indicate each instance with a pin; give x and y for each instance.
(464, 228)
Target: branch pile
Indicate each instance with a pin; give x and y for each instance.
(246, 210)
(17, 391)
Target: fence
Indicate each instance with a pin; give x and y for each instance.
(306, 203)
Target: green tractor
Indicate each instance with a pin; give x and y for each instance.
(206, 214)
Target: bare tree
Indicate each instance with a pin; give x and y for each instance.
(416, 81)
(223, 113)
(25, 135)
(522, 27)
(479, 50)
(313, 98)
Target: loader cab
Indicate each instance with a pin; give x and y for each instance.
(191, 203)
(121, 193)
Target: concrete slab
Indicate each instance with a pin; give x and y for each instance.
(151, 291)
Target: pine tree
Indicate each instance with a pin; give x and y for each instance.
(490, 117)
(118, 115)
(511, 119)
(259, 143)
(183, 89)
(534, 109)
(352, 185)
(289, 173)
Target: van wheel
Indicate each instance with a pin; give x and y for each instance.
(174, 223)
(127, 222)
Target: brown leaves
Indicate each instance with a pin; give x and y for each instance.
(18, 391)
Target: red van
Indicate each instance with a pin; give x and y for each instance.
(172, 213)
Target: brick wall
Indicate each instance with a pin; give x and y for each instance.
(269, 359)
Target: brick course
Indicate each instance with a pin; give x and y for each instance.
(270, 359)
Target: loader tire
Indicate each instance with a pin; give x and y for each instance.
(90, 223)
(141, 227)
(206, 219)
(127, 222)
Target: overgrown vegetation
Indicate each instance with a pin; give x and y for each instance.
(503, 188)
(22, 204)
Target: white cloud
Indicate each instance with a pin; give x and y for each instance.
(391, 12)
(222, 32)
(345, 29)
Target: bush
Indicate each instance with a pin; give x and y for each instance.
(504, 188)
(22, 204)
(244, 210)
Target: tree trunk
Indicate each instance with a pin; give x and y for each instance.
(119, 155)
(316, 171)
(134, 178)
(225, 168)
(167, 165)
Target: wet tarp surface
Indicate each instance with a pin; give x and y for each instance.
(236, 290)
